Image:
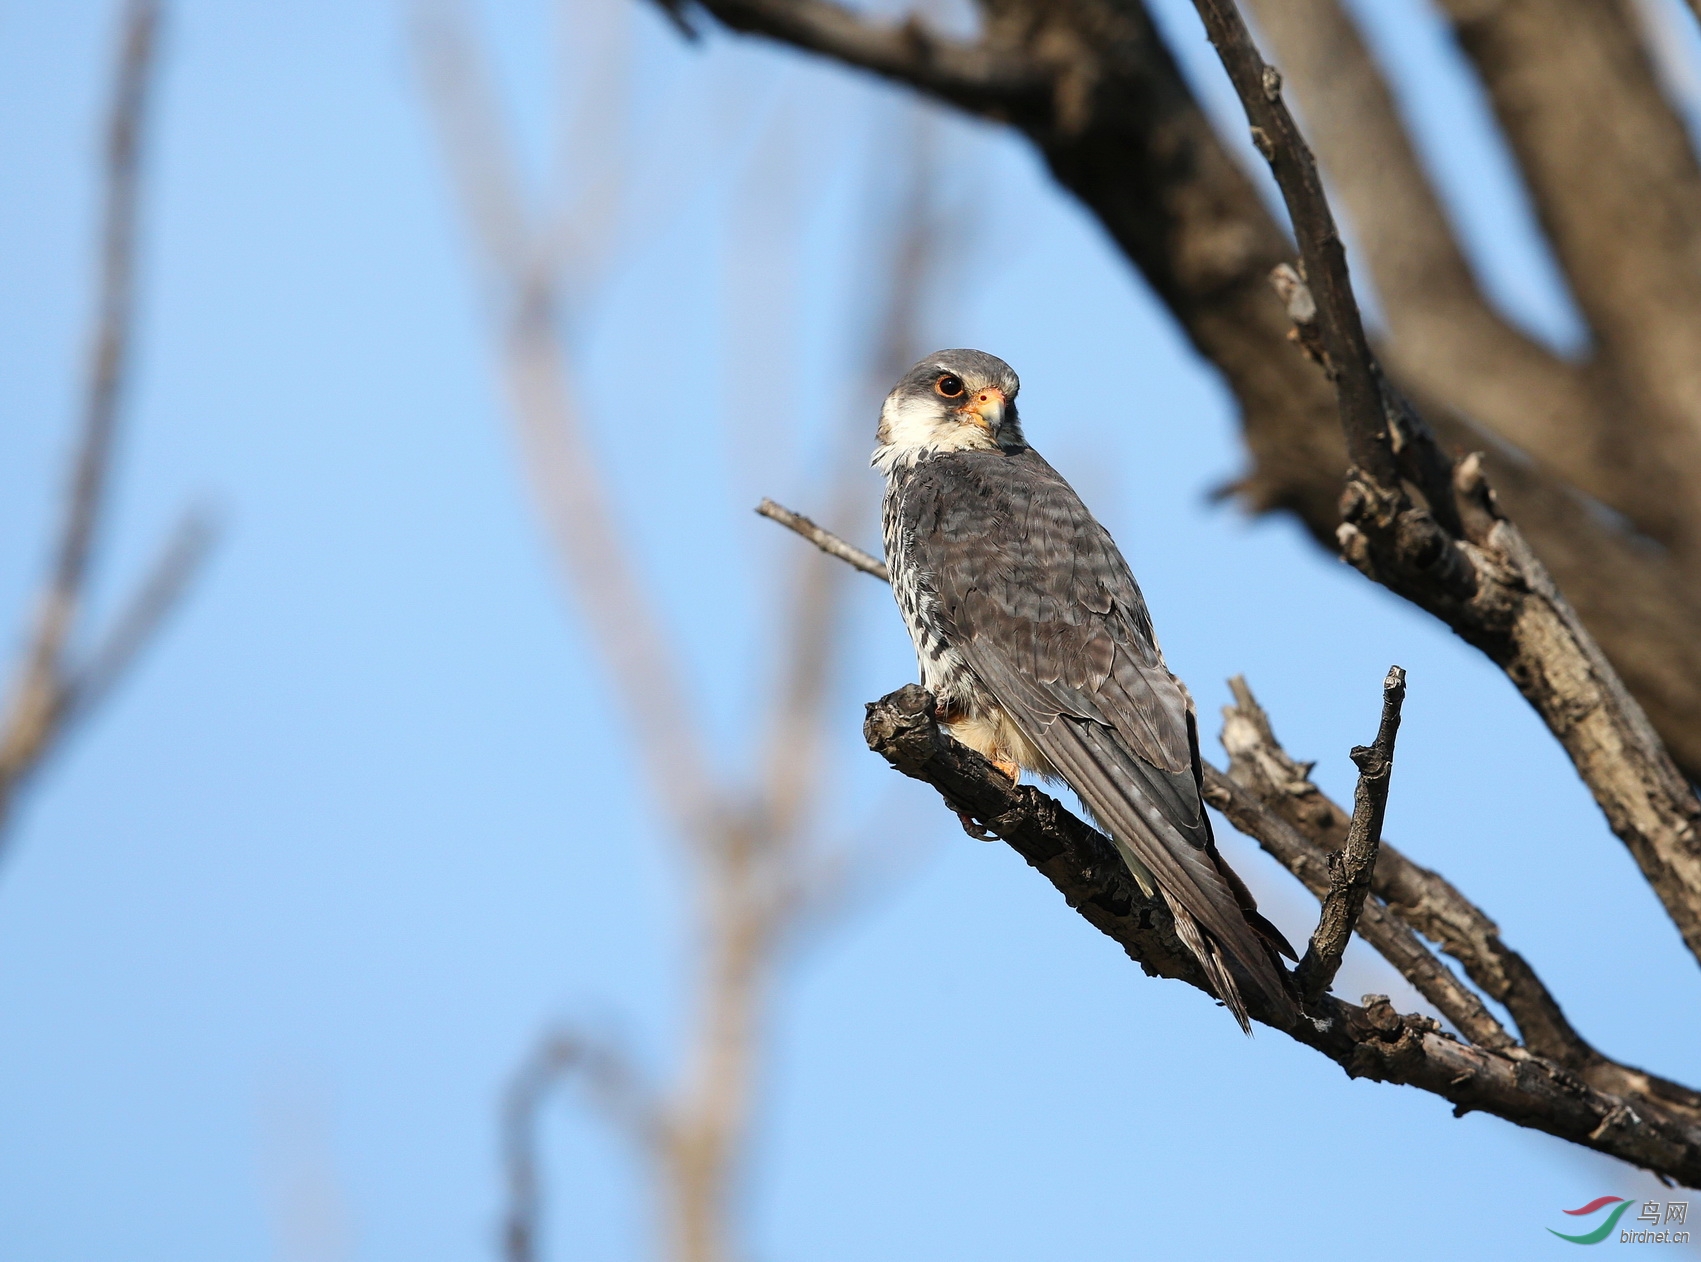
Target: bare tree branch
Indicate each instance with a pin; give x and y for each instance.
(1260, 768)
(1641, 604)
(158, 594)
(1373, 1041)
(727, 838)
(1456, 556)
(828, 542)
(37, 696)
(759, 888)
(974, 75)
(49, 692)
(566, 480)
(750, 844)
(1075, 857)
(1444, 337)
(1620, 191)
(614, 1087)
(1323, 257)
(1617, 187)
(1391, 938)
(1350, 867)
(110, 353)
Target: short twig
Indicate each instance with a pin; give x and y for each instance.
(158, 594)
(1350, 868)
(1392, 938)
(1301, 307)
(824, 539)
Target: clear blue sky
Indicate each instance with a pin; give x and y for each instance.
(276, 927)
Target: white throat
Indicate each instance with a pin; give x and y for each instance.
(913, 427)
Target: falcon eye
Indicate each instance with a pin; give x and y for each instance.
(950, 385)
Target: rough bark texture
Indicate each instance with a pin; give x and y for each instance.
(1424, 901)
(1373, 1041)
(1490, 588)
(1443, 337)
(1393, 940)
(1430, 530)
(1617, 188)
(1351, 866)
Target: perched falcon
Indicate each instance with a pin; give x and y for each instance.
(1034, 639)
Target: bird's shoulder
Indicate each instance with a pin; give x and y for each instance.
(1008, 529)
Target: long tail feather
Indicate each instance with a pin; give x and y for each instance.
(1210, 958)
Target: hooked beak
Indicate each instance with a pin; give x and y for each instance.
(986, 408)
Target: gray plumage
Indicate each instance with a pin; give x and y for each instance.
(1033, 636)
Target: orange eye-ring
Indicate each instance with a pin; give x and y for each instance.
(950, 386)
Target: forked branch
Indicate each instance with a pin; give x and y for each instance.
(1414, 898)
(51, 690)
(1443, 334)
(1453, 553)
(1392, 938)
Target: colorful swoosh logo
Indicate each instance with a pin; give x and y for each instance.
(1605, 1229)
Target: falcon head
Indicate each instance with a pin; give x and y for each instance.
(951, 401)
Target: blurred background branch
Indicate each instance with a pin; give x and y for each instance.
(612, 1086)
(759, 871)
(519, 262)
(52, 688)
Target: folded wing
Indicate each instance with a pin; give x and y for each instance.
(1038, 599)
